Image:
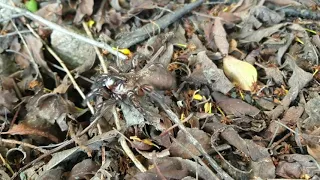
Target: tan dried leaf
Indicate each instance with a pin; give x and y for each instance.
(220, 37)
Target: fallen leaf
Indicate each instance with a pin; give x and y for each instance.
(235, 107)
(22, 129)
(240, 72)
(84, 8)
(7, 101)
(209, 74)
(314, 114)
(200, 135)
(84, 169)
(293, 166)
(220, 37)
(267, 16)
(175, 168)
(257, 36)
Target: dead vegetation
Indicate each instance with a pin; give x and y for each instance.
(148, 89)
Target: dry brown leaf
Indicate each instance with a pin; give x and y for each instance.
(234, 106)
(229, 17)
(23, 59)
(7, 101)
(35, 46)
(22, 129)
(220, 37)
(84, 169)
(84, 8)
(51, 12)
(174, 168)
(208, 73)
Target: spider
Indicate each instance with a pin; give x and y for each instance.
(132, 85)
(119, 87)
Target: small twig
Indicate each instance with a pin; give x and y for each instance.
(280, 140)
(15, 117)
(63, 30)
(176, 125)
(142, 33)
(12, 141)
(124, 144)
(74, 83)
(79, 75)
(187, 69)
(274, 135)
(102, 62)
(11, 17)
(14, 33)
(285, 126)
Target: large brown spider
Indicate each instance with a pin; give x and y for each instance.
(132, 85)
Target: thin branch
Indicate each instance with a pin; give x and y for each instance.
(12, 141)
(63, 30)
(102, 62)
(14, 33)
(74, 83)
(124, 144)
(142, 33)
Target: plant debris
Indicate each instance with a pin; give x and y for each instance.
(159, 89)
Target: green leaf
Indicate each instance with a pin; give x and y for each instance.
(32, 5)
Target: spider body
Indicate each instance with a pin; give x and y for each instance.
(131, 85)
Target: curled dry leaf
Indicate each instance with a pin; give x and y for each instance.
(22, 129)
(240, 72)
(84, 169)
(234, 106)
(220, 37)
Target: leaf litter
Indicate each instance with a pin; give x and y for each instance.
(182, 89)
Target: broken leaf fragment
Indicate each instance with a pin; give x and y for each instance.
(239, 72)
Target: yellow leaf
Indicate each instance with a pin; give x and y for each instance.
(123, 51)
(197, 97)
(149, 142)
(182, 117)
(299, 40)
(145, 141)
(312, 31)
(181, 45)
(135, 138)
(207, 107)
(239, 72)
(90, 23)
